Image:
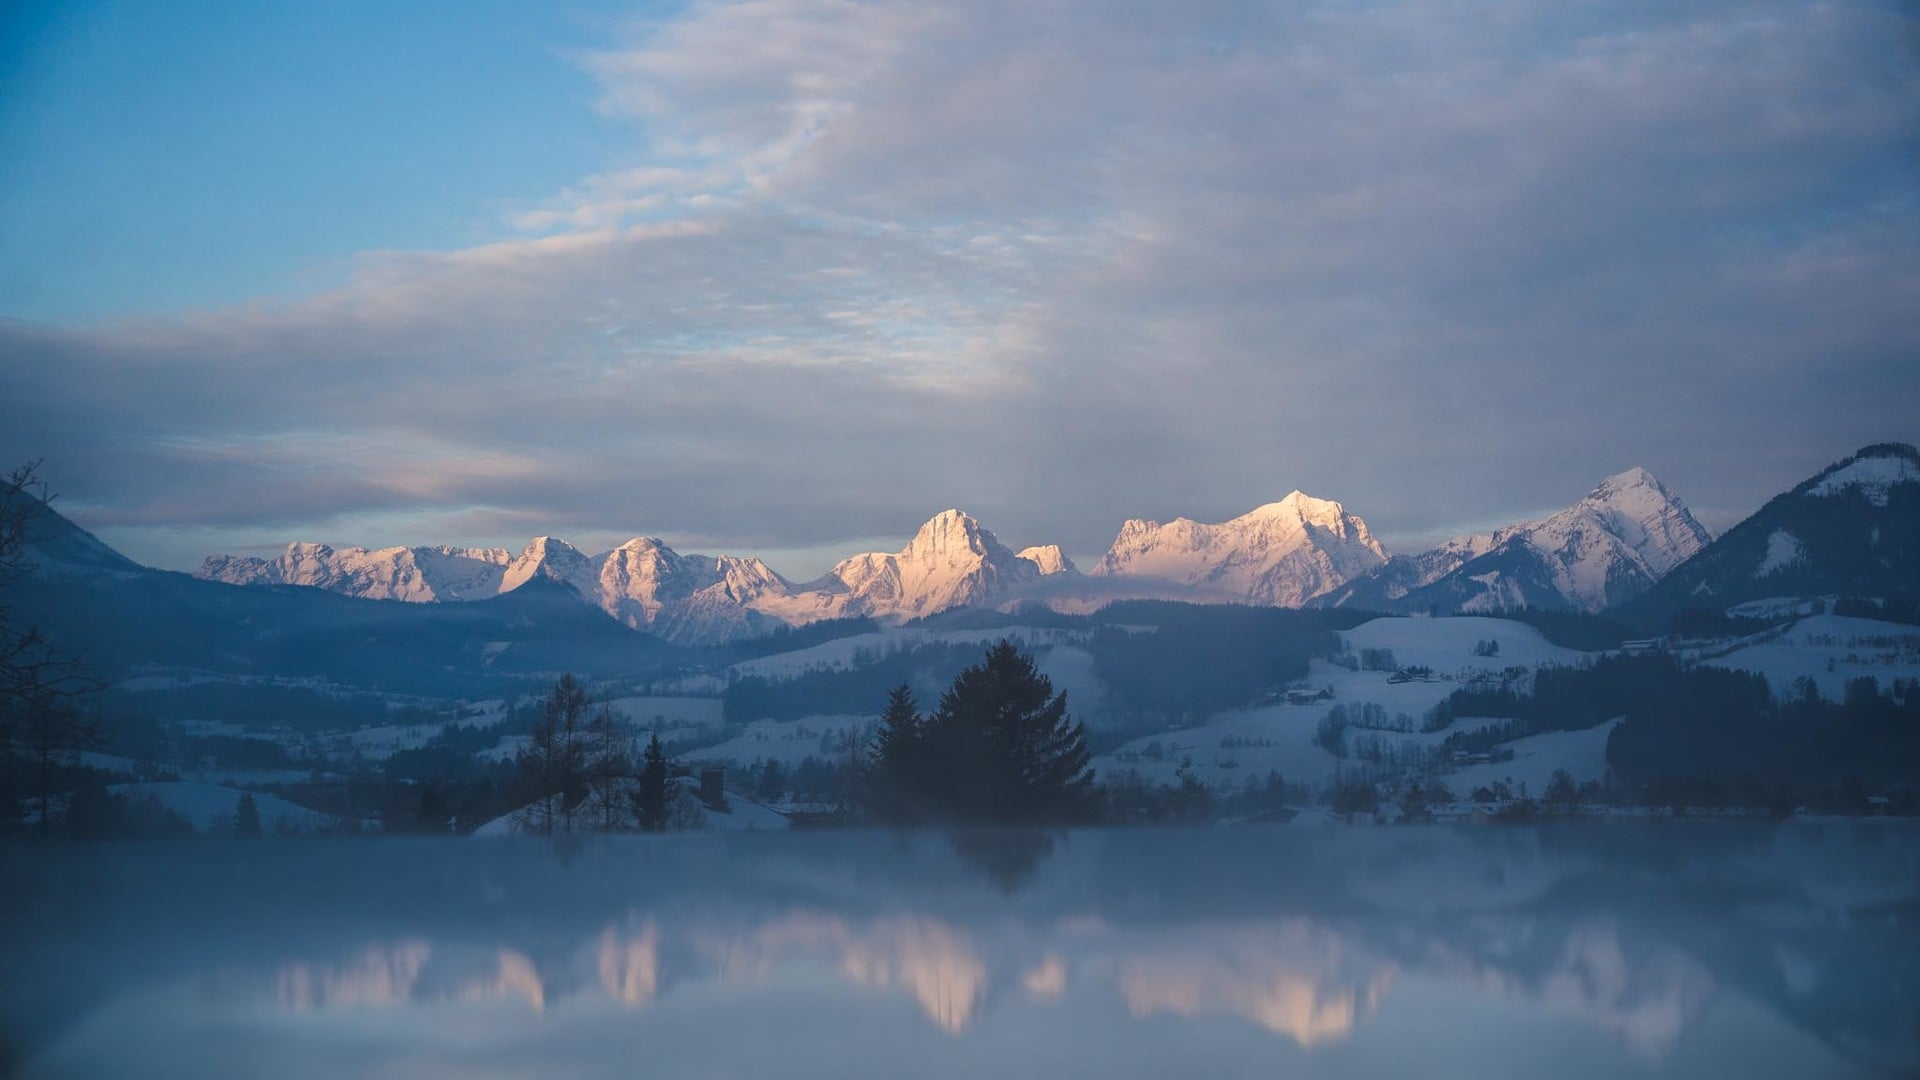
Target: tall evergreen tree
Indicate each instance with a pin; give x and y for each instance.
(650, 802)
(246, 816)
(898, 772)
(1000, 748)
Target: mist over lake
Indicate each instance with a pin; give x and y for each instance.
(1679, 949)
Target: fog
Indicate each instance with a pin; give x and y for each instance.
(1658, 950)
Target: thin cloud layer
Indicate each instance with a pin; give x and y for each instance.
(1065, 263)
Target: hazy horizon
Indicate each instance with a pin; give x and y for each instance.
(785, 278)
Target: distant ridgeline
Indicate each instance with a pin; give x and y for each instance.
(1758, 666)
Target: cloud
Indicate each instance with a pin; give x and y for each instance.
(1065, 263)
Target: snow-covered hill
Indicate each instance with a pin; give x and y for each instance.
(1850, 530)
(1613, 545)
(1281, 554)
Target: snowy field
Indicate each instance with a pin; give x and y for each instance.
(1446, 645)
(787, 741)
(846, 653)
(1583, 754)
(669, 713)
(1233, 745)
(1831, 649)
(210, 807)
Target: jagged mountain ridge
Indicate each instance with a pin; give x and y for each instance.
(1298, 550)
(953, 561)
(1628, 533)
(1278, 555)
(1852, 529)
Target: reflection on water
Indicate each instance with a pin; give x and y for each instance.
(1478, 952)
(1293, 978)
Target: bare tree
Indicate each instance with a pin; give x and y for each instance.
(43, 688)
(609, 764)
(553, 763)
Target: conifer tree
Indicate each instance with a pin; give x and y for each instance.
(650, 802)
(246, 816)
(1000, 748)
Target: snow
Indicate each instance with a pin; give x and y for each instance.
(744, 815)
(669, 713)
(1626, 534)
(741, 815)
(1850, 647)
(1446, 645)
(210, 807)
(1284, 553)
(416, 575)
(1874, 477)
(379, 743)
(1233, 745)
(1583, 754)
(1773, 607)
(787, 741)
(842, 654)
(1783, 550)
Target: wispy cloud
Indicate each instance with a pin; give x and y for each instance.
(1068, 262)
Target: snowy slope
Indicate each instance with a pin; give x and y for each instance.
(1281, 554)
(1831, 650)
(1234, 745)
(1623, 537)
(399, 573)
(1850, 530)
(1050, 559)
(210, 807)
(953, 561)
(1873, 477)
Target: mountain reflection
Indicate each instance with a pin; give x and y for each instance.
(1294, 979)
(1300, 949)
(629, 964)
(1310, 982)
(377, 975)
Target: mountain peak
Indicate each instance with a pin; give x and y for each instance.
(949, 531)
(1050, 559)
(1627, 480)
(1874, 472)
(1282, 553)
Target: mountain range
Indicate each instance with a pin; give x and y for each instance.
(1610, 546)
(1629, 548)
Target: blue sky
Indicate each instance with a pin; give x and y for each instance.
(789, 276)
(168, 156)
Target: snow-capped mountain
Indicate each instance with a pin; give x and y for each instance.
(1851, 530)
(1050, 559)
(1281, 554)
(399, 573)
(953, 561)
(1612, 545)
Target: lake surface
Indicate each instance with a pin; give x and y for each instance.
(1683, 949)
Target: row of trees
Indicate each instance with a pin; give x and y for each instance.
(578, 764)
(1000, 748)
